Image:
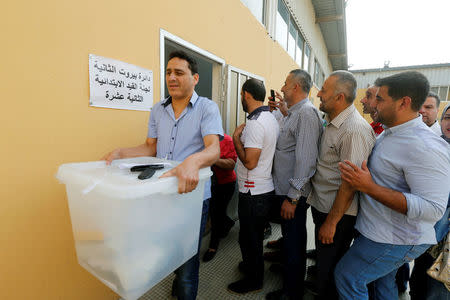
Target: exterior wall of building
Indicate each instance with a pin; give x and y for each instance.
(46, 120)
(304, 10)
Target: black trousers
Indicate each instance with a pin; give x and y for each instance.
(329, 255)
(253, 213)
(220, 198)
(419, 277)
(294, 249)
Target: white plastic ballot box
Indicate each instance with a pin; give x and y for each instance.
(131, 233)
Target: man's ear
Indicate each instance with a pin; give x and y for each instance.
(341, 97)
(405, 103)
(245, 95)
(196, 78)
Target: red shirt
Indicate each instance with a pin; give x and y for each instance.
(226, 151)
(377, 127)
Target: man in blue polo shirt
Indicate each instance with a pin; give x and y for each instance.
(187, 128)
(404, 190)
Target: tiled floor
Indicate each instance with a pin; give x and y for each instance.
(222, 270)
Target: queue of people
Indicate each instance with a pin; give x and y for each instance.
(378, 192)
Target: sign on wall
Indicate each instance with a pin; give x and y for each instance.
(116, 84)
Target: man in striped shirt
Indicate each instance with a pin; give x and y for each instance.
(347, 136)
(293, 165)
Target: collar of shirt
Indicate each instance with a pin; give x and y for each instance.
(255, 114)
(339, 119)
(403, 126)
(297, 106)
(192, 101)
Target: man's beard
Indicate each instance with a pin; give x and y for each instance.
(244, 106)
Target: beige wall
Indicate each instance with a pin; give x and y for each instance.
(46, 120)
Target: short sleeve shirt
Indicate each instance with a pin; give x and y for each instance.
(261, 132)
(179, 138)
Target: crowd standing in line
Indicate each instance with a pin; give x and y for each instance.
(387, 195)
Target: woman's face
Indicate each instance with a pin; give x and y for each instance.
(445, 124)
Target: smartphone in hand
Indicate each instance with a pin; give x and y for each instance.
(272, 94)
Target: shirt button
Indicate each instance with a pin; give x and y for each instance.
(175, 125)
(173, 138)
(170, 153)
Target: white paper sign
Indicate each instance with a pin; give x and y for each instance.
(116, 84)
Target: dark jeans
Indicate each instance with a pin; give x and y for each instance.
(253, 213)
(419, 277)
(185, 284)
(294, 249)
(328, 255)
(220, 197)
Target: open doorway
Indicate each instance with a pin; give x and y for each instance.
(211, 69)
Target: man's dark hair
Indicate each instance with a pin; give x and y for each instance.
(303, 79)
(412, 84)
(192, 63)
(435, 96)
(345, 83)
(255, 88)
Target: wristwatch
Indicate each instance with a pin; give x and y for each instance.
(293, 201)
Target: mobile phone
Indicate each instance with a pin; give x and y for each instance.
(272, 94)
(147, 173)
(141, 168)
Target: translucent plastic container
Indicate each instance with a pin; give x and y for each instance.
(131, 233)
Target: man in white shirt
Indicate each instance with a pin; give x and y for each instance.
(429, 112)
(255, 143)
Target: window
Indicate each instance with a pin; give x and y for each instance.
(235, 112)
(319, 76)
(316, 72)
(257, 8)
(292, 38)
(321, 79)
(282, 24)
(306, 64)
(288, 34)
(299, 50)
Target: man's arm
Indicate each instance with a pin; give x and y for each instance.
(248, 156)
(187, 171)
(426, 177)
(355, 146)
(228, 156)
(342, 202)
(225, 163)
(146, 149)
(361, 180)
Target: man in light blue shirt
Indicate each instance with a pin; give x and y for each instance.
(187, 128)
(404, 190)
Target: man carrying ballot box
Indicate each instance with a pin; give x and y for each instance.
(183, 127)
